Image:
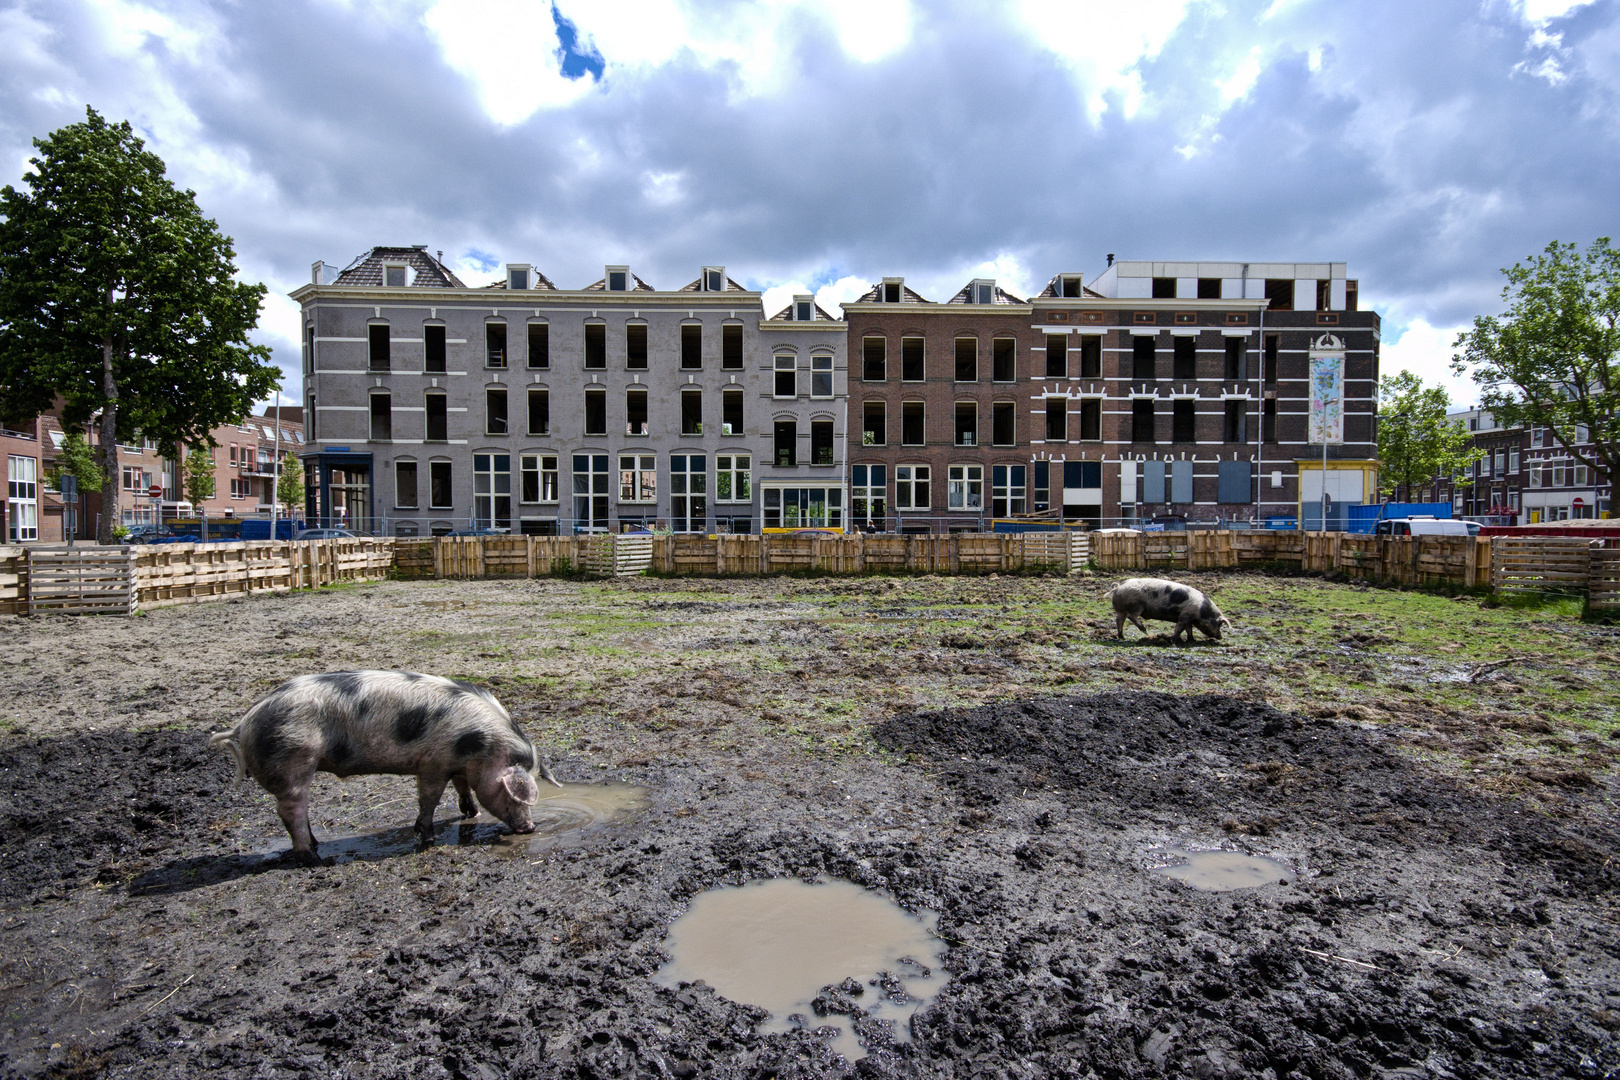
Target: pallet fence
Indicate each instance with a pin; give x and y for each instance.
(81, 581)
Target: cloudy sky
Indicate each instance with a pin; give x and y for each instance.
(821, 145)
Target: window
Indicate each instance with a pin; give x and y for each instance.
(492, 490)
(635, 346)
(495, 410)
(1091, 357)
(596, 345)
(689, 492)
(821, 376)
(1271, 358)
(439, 485)
(438, 421)
(731, 348)
(309, 351)
(539, 411)
(874, 423)
(691, 346)
(1091, 420)
(891, 292)
(1142, 420)
(377, 351)
(596, 411)
(965, 487)
(635, 411)
(912, 368)
(1324, 295)
(1164, 288)
(821, 442)
(591, 491)
(868, 496)
(1006, 490)
(691, 412)
(803, 310)
(731, 478)
(714, 279)
(912, 424)
(911, 487)
(790, 507)
(1501, 463)
(1142, 366)
(539, 478)
(539, 345)
(495, 344)
(394, 277)
(638, 478)
(618, 279)
(787, 443)
(874, 359)
(382, 420)
(517, 277)
(731, 412)
(1004, 359)
(1003, 424)
(1057, 419)
(787, 377)
(233, 445)
(1057, 356)
(967, 359)
(967, 423)
(1280, 293)
(1513, 462)
(1042, 493)
(1186, 358)
(1236, 368)
(1071, 288)
(1268, 421)
(1182, 418)
(1209, 288)
(433, 344)
(1237, 421)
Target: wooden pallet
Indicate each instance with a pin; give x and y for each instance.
(1603, 579)
(1541, 563)
(81, 581)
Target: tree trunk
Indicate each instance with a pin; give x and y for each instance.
(108, 444)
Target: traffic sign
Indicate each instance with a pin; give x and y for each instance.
(155, 491)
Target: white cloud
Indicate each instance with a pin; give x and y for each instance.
(843, 291)
(1542, 11)
(1243, 79)
(507, 50)
(869, 30)
(1103, 42)
(1426, 351)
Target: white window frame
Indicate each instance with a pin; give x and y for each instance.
(1015, 495)
(416, 487)
(737, 469)
(873, 494)
(784, 362)
(490, 486)
(908, 479)
(831, 502)
(607, 278)
(405, 274)
(686, 488)
(543, 467)
(22, 498)
(640, 477)
(964, 488)
(821, 368)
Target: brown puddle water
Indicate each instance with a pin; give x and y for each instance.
(1223, 871)
(776, 943)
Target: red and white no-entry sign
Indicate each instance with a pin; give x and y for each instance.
(155, 491)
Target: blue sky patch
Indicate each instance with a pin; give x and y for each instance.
(483, 260)
(576, 62)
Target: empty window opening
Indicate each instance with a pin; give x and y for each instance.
(1280, 294)
(635, 346)
(874, 423)
(495, 411)
(731, 348)
(635, 411)
(731, 412)
(786, 443)
(1004, 360)
(495, 344)
(1164, 288)
(596, 345)
(596, 411)
(1271, 358)
(1142, 420)
(438, 419)
(967, 423)
(377, 346)
(1057, 419)
(967, 359)
(1182, 420)
(1350, 290)
(433, 344)
(1236, 359)
(821, 376)
(691, 346)
(691, 412)
(439, 497)
(405, 485)
(787, 377)
(912, 425)
(539, 345)
(1072, 288)
(1091, 357)
(1186, 358)
(1237, 421)
(911, 359)
(1324, 295)
(539, 412)
(1142, 356)
(821, 442)
(891, 292)
(874, 359)
(1057, 356)
(1091, 420)
(309, 350)
(382, 418)
(1003, 425)
(1268, 421)
(1209, 288)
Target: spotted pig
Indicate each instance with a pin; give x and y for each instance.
(1166, 601)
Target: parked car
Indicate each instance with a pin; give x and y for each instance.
(811, 531)
(484, 531)
(145, 534)
(1425, 526)
(324, 534)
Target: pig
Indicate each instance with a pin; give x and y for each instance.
(1166, 601)
(356, 723)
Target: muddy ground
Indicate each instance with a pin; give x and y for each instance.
(1439, 775)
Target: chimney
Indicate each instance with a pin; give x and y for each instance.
(1110, 258)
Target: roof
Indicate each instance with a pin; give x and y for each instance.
(731, 286)
(786, 315)
(1002, 296)
(540, 282)
(601, 286)
(908, 295)
(367, 269)
(1051, 291)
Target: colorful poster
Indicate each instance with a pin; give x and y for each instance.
(1327, 398)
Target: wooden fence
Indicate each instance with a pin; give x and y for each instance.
(81, 581)
(1402, 560)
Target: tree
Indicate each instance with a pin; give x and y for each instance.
(199, 476)
(1552, 359)
(77, 460)
(118, 296)
(290, 485)
(1416, 442)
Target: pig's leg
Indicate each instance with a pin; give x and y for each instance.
(469, 809)
(1183, 626)
(1119, 626)
(292, 803)
(1140, 625)
(429, 789)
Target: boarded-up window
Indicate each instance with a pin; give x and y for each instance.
(1234, 482)
(911, 359)
(692, 346)
(1153, 486)
(1181, 481)
(635, 346)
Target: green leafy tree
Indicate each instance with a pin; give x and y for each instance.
(198, 472)
(77, 460)
(1416, 441)
(1552, 359)
(290, 486)
(118, 296)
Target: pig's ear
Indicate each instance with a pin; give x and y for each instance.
(520, 785)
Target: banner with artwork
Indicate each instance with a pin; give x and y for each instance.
(1327, 397)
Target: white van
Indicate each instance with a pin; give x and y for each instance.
(1425, 526)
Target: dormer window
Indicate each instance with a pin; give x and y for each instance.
(892, 290)
(804, 309)
(517, 277)
(394, 275)
(714, 279)
(1069, 286)
(618, 279)
(982, 292)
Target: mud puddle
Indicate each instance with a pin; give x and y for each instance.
(777, 943)
(1224, 871)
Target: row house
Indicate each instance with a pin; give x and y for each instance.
(1523, 476)
(435, 406)
(1176, 391)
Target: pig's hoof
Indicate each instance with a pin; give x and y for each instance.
(307, 858)
(468, 810)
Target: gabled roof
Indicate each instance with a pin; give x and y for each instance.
(785, 315)
(601, 286)
(1002, 296)
(367, 269)
(731, 286)
(1051, 290)
(908, 295)
(541, 282)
